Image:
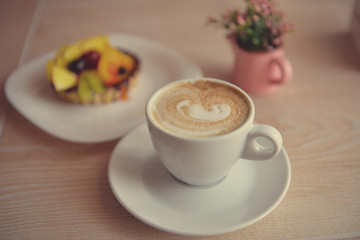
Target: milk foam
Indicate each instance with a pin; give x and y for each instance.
(199, 109)
(198, 113)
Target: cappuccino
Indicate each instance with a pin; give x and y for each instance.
(198, 109)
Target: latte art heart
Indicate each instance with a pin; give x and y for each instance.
(197, 112)
(199, 109)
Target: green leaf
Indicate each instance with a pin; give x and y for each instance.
(249, 31)
(256, 41)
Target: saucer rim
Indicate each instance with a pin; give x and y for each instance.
(233, 227)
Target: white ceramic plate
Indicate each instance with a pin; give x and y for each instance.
(142, 185)
(29, 92)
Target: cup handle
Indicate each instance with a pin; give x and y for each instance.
(255, 149)
(285, 68)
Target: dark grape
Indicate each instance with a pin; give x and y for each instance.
(77, 66)
(122, 70)
(88, 60)
(91, 59)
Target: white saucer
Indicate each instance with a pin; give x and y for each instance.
(29, 92)
(142, 185)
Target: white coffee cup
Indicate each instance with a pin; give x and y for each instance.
(206, 160)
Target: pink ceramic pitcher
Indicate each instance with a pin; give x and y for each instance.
(260, 72)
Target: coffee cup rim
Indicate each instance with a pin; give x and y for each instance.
(248, 120)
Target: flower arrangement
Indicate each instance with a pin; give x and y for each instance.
(261, 27)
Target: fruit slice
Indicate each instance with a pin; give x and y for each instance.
(62, 78)
(114, 66)
(70, 53)
(94, 81)
(89, 84)
(84, 89)
(98, 43)
(59, 60)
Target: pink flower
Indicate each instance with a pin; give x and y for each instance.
(257, 8)
(268, 24)
(285, 27)
(240, 19)
(266, 12)
(276, 41)
(274, 31)
(255, 18)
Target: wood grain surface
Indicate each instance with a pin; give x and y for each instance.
(54, 189)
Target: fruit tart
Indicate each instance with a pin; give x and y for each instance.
(92, 71)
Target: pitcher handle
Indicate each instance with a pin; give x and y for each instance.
(285, 69)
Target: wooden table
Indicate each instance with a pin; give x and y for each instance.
(55, 189)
